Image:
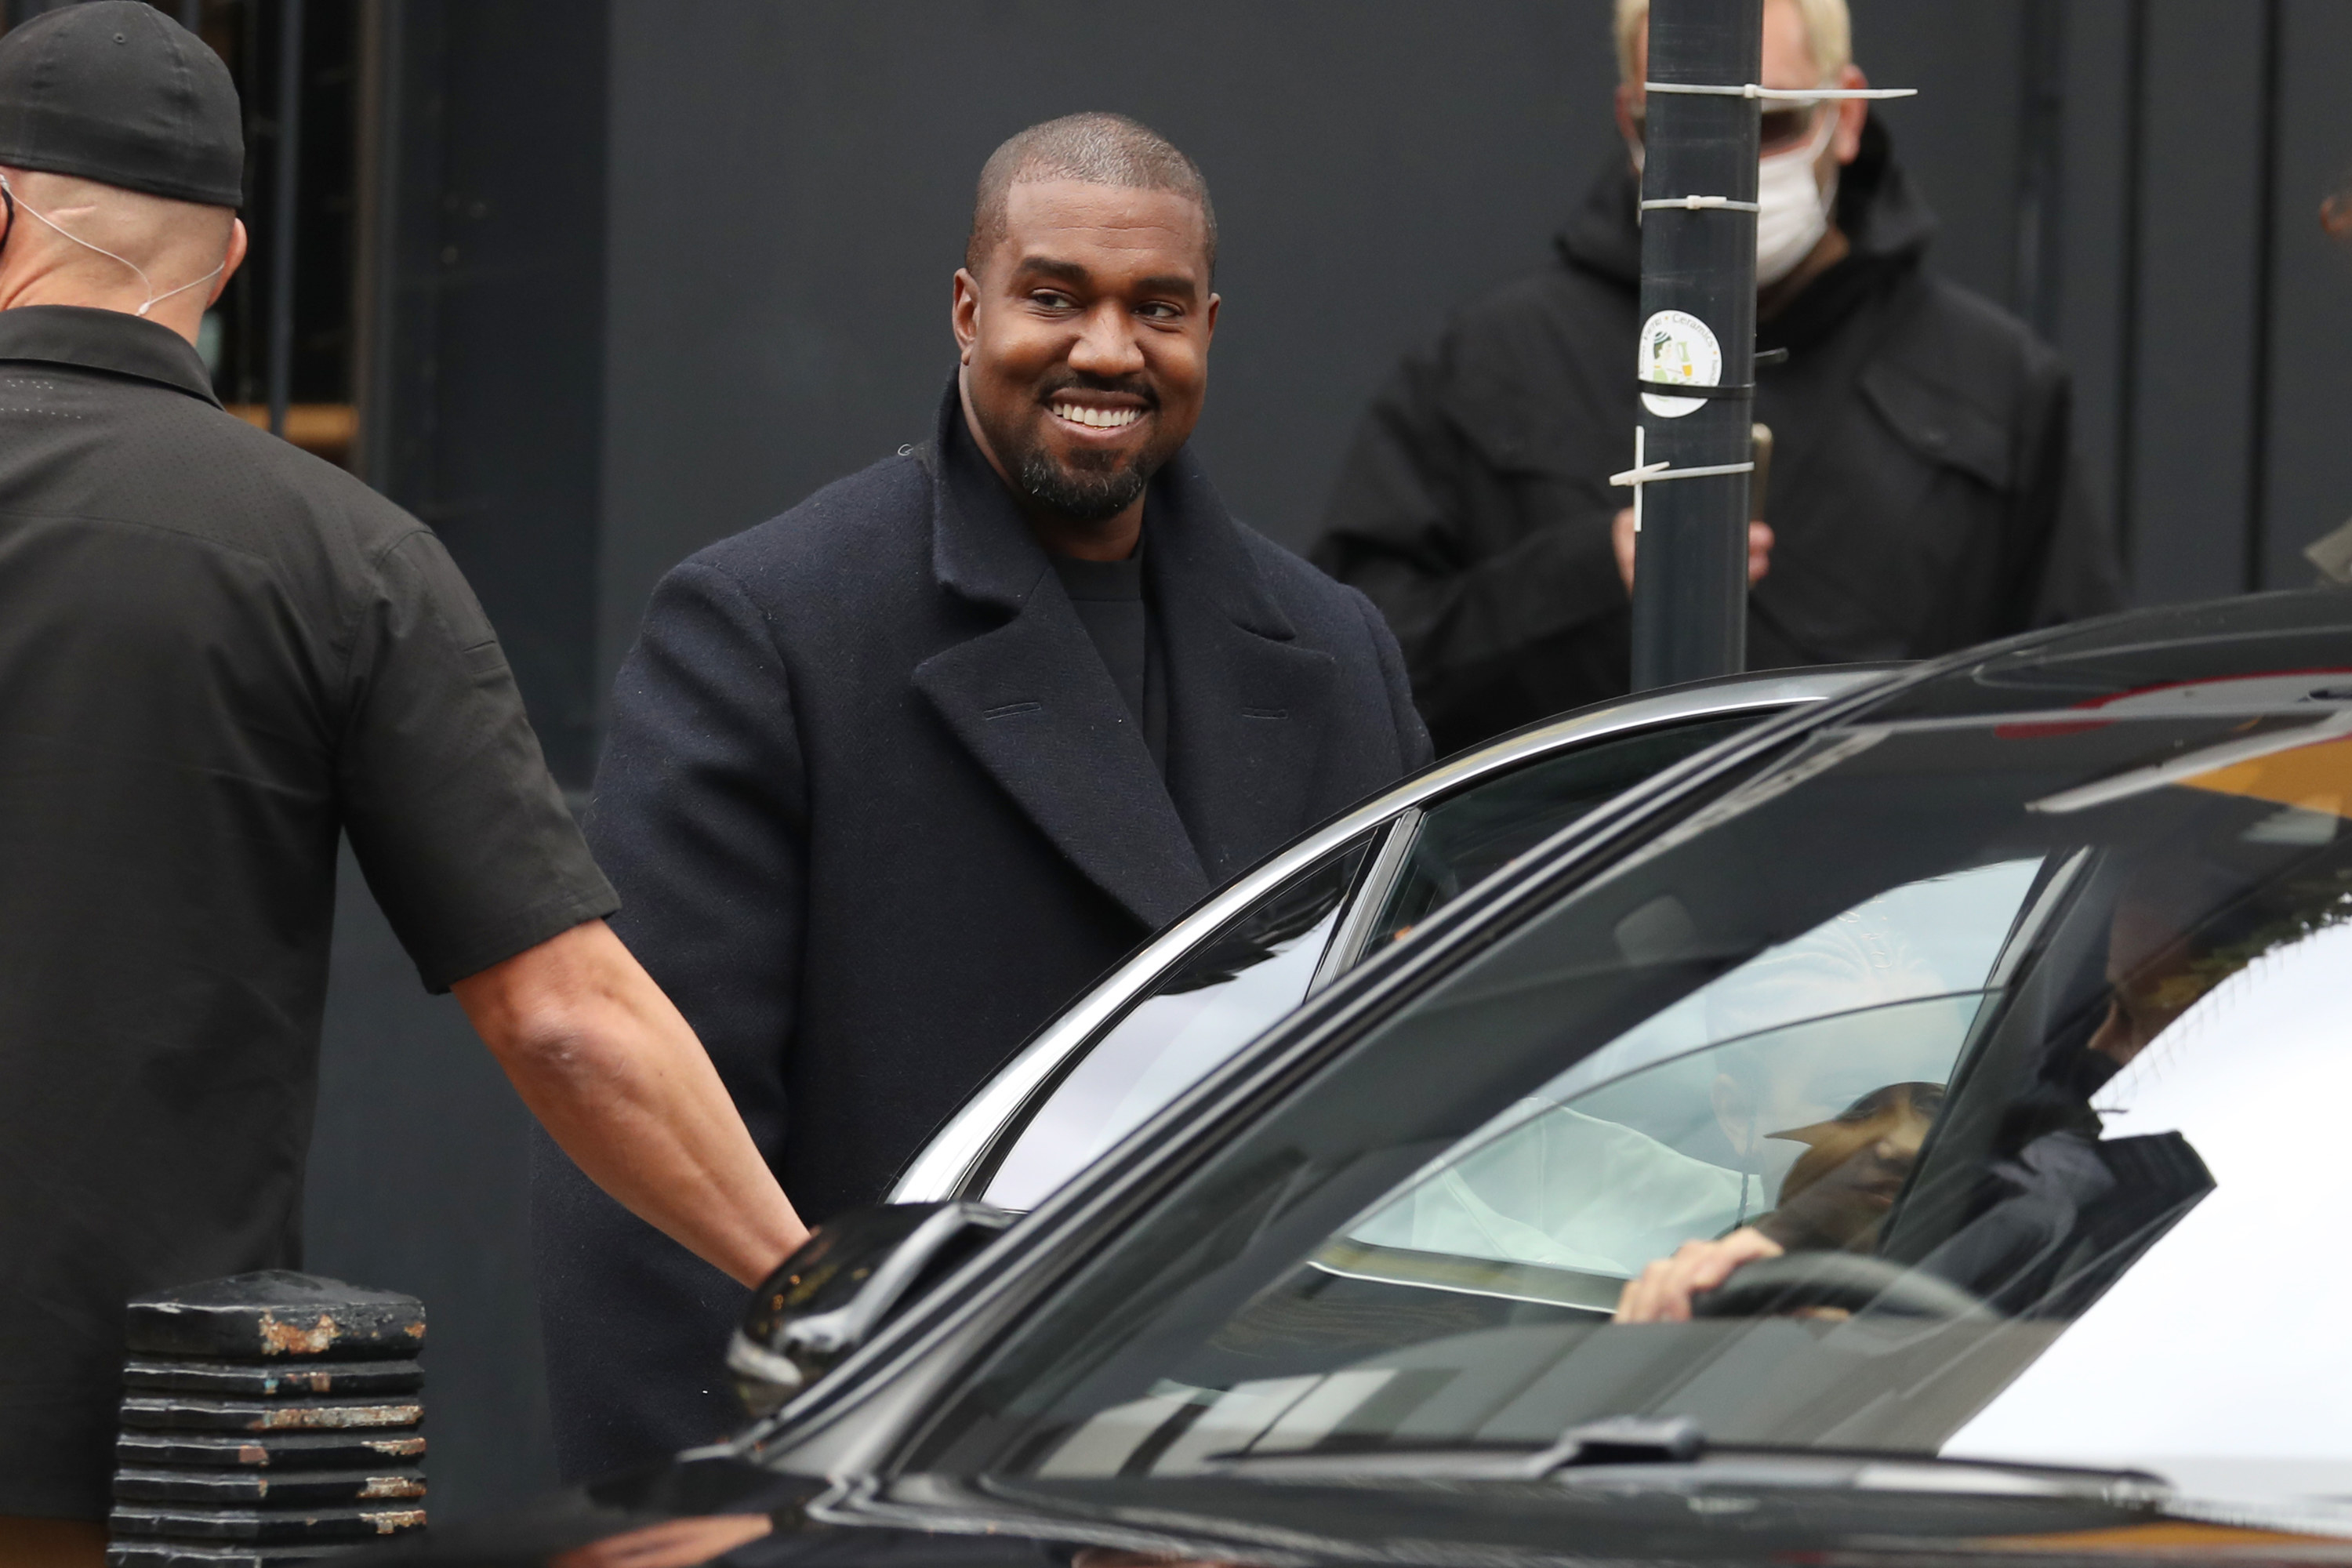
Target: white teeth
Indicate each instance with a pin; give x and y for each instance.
(1099, 418)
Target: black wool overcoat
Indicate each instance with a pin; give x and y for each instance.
(876, 811)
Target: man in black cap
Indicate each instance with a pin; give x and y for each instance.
(217, 654)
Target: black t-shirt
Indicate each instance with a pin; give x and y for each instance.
(216, 653)
(1109, 598)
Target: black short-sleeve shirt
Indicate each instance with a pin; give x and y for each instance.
(216, 654)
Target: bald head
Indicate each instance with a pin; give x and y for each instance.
(1095, 150)
(73, 241)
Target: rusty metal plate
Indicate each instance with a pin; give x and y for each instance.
(264, 1524)
(188, 1413)
(273, 1489)
(342, 1450)
(273, 1380)
(276, 1315)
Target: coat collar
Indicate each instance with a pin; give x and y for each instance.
(110, 341)
(1031, 699)
(982, 550)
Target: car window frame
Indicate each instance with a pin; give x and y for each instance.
(1370, 851)
(964, 1146)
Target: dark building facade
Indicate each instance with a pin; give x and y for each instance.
(587, 286)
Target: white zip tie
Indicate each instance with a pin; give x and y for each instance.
(1783, 94)
(1699, 203)
(1642, 473)
(1653, 473)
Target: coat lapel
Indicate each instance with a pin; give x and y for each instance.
(1033, 703)
(1248, 706)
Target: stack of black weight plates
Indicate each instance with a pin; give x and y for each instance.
(268, 1419)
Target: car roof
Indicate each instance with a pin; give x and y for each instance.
(2276, 639)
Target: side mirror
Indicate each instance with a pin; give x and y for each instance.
(846, 1280)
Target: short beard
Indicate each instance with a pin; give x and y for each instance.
(1081, 497)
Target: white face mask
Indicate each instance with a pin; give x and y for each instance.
(1794, 209)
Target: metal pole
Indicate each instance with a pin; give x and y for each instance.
(284, 211)
(192, 16)
(1698, 309)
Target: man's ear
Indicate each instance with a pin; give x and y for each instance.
(964, 314)
(1210, 323)
(237, 242)
(1854, 113)
(1625, 116)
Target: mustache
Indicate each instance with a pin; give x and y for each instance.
(1077, 380)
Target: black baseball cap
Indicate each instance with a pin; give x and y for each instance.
(114, 90)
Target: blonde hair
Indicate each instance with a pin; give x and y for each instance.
(1829, 28)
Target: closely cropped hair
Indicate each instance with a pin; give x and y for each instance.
(1829, 28)
(1098, 149)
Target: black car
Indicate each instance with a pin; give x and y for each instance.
(1981, 1036)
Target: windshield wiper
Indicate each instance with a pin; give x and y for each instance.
(1675, 1453)
(1621, 1440)
(1616, 1440)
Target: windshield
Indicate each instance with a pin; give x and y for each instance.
(1990, 1070)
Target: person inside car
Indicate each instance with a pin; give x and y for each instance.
(1834, 1199)
(2176, 933)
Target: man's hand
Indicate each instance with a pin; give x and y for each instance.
(1759, 549)
(618, 1079)
(1662, 1293)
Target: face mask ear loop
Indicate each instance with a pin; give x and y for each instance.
(153, 299)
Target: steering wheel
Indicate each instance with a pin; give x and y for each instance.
(1850, 1281)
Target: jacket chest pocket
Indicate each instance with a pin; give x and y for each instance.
(1940, 428)
(1950, 482)
(1537, 456)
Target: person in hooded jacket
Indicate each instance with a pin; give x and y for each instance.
(1922, 497)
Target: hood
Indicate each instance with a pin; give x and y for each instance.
(1882, 214)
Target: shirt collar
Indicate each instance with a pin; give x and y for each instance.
(112, 340)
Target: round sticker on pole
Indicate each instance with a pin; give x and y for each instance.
(1677, 347)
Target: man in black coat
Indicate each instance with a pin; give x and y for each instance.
(1922, 496)
(893, 776)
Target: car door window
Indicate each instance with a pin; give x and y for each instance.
(1462, 840)
(1255, 969)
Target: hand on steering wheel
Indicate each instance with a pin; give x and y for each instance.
(1748, 1275)
(1662, 1293)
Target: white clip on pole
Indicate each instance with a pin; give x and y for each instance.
(1642, 473)
(1783, 94)
(1700, 203)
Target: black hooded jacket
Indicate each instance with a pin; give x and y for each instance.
(1922, 493)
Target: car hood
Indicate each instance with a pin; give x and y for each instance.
(1851, 1512)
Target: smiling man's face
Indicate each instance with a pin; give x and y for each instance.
(1085, 352)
